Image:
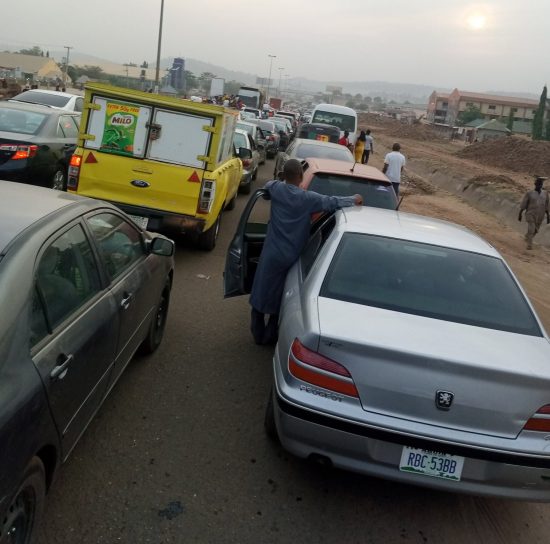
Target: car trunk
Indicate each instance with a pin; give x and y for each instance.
(399, 362)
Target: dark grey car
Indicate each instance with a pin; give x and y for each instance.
(82, 288)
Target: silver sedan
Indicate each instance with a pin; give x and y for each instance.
(408, 350)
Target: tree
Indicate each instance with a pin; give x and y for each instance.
(232, 87)
(510, 123)
(471, 113)
(34, 51)
(358, 97)
(377, 100)
(190, 80)
(93, 72)
(368, 99)
(350, 104)
(204, 79)
(538, 121)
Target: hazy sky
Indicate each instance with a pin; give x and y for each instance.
(491, 45)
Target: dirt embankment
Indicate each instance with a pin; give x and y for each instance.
(397, 129)
(511, 153)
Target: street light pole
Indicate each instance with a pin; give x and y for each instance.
(157, 72)
(68, 48)
(271, 57)
(280, 75)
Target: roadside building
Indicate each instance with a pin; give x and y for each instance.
(488, 130)
(31, 67)
(446, 108)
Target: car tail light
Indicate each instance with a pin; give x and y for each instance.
(19, 151)
(312, 367)
(208, 192)
(540, 421)
(271, 138)
(246, 163)
(74, 172)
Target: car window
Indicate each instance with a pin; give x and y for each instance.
(39, 324)
(22, 122)
(50, 99)
(342, 121)
(240, 140)
(323, 151)
(66, 127)
(79, 104)
(66, 276)
(119, 242)
(248, 128)
(375, 194)
(315, 243)
(429, 281)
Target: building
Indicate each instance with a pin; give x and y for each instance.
(445, 108)
(30, 67)
(487, 130)
(177, 74)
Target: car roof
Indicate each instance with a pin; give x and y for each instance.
(29, 106)
(331, 166)
(318, 143)
(47, 91)
(247, 124)
(21, 205)
(416, 228)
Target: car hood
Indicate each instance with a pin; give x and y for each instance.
(399, 362)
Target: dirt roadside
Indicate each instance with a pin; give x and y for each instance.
(426, 196)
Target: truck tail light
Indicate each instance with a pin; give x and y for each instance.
(206, 199)
(540, 420)
(74, 172)
(19, 151)
(312, 367)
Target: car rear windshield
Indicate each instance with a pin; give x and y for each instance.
(56, 100)
(430, 281)
(20, 121)
(240, 140)
(248, 128)
(374, 193)
(323, 151)
(343, 122)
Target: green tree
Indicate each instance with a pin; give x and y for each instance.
(538, 121)
(368, 99)
(34, 51)
(471, 113)
(232, 87)
(93, 72)
(204, 80)
(547, 135)
(350, 104)
(510, 123)
(190, 80)
(358, 97)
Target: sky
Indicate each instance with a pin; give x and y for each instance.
(498, 45)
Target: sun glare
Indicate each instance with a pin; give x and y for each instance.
(476, 21)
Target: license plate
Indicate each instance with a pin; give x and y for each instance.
(322, 138)
(431, 463)
(140, 221)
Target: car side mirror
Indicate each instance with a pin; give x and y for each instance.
(244, 153)
(163, 247)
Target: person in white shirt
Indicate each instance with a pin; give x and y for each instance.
(393, 166)
(369, 147)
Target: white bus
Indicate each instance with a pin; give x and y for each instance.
(339, 116)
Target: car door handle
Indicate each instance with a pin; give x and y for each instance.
(125, 302)
(58, 372)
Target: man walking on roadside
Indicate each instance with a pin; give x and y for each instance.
(369, 147)
(287, 234)
(393, 167)
(535, 204)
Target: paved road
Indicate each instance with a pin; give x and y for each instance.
(177, 454)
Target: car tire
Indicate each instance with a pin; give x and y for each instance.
(269, 419)
(59, 179)
(231, 204)
(246, 188)
(23, 515)
(156, 329)
(255, 175)
(207, 239)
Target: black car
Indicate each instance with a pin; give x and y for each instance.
(82, 288)
(36, 143)
(319, 131)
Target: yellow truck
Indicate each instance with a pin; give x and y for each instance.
(168, 163)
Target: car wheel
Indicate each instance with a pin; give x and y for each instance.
(156, 329)
(231, 204)
(246, 188)
(207, 240)
(269, 419)
(20, 525)
(59, 182)
(255, 175)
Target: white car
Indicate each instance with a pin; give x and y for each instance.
(54, 99)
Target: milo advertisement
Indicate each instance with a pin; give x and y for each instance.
(120, 128)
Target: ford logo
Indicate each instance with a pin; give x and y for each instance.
(140, 183)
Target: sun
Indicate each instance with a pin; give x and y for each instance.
(476, 21)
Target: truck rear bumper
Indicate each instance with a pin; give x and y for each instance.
(160, 220)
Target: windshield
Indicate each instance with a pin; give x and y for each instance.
(429, 281)
(343, 122)
(248, 128)
(374, 193)
(240, 140)
(20, 121)
(323, 151)
(280, 125)
(56, 100)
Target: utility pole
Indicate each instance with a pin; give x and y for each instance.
(127, 75)
(271, 57)
(68, 48)
(157, 72)
(280, 75)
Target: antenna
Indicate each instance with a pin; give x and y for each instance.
(353, 167)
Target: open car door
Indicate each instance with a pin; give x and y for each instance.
(245, 248)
